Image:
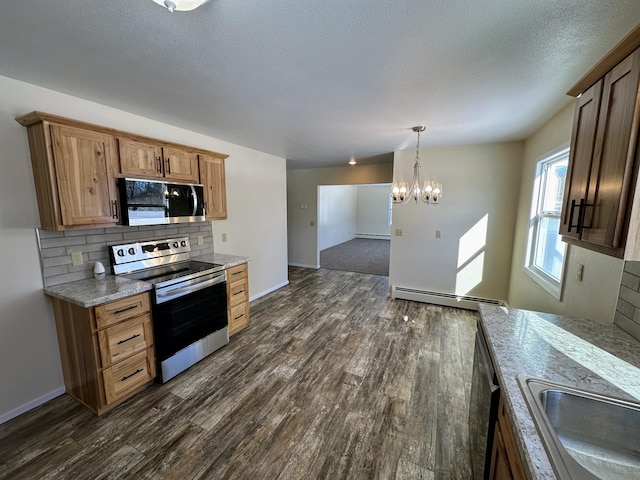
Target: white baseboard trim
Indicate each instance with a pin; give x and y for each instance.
(316, 267)
(444, 299)
(377, 236)
(5, 417)
(262, 294)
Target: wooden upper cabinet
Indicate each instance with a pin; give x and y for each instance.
(147, 159)
(139, 158)
(180, 165)
(85, 166)
(603, 165)
(583, 139)
(213, 178)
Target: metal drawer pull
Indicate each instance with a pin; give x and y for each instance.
(238, 273)
(131, 375)
(240, 316)
(118, 312)
(238, 293)
(127, 339)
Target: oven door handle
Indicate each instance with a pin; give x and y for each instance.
(164, 295)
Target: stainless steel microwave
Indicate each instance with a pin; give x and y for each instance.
(151, 202)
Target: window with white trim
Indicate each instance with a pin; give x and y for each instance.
(546, 252)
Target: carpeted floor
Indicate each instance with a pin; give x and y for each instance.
(362, 255)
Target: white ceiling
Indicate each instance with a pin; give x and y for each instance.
(319, 81)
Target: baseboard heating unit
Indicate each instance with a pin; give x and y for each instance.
(444, 299)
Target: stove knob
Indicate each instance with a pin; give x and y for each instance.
(183, 243)
(131, 251)
(120, 253)
(175, 244)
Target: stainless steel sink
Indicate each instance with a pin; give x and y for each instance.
(586, 435)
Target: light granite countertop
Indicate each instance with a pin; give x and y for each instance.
(580, 353)
(92, 292)
(222, 258)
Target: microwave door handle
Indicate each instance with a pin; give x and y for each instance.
(195, 201)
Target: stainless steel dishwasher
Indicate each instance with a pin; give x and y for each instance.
(483, 408)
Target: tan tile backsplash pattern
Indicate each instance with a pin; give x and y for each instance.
(56, 247)
(628, 307)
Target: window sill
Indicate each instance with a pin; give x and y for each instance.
(552, 287)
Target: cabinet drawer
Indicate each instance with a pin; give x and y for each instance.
(123, 340)
(238, 292)
(119, 310)
(237, 272)
(238, 318)
(129, 374)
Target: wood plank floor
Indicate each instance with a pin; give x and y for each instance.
(328, 382)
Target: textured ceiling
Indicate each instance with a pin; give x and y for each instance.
(319, 81)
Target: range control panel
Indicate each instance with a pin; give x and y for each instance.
(124, 257)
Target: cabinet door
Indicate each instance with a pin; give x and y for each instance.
(86, 165)
(180, 165)
(614, 156)
(583, 139)
(215, 193)
(140, 158)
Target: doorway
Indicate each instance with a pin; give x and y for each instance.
(354, 228)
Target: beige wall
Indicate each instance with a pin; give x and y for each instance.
(595, 297)
(30, 371)
(476, 220)
(302, 189)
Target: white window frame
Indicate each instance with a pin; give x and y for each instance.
(540, 276)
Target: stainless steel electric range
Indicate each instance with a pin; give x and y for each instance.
(189, 300)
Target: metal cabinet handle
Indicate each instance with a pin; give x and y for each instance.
(581, 207)
(159, 159)
(114, 209)
(239, 316)
(132, 374)
(238, 293)
(128, 339)
(168, 165)
(131, 307)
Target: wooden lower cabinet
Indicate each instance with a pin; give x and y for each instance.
(106, 351)
(506, 463)
(238, 297)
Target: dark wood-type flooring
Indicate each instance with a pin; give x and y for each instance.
(328, 382)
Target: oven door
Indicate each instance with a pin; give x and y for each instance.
(186, 319)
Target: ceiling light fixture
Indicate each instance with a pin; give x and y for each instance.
(429, 192)
(352, 161)
(180, 5)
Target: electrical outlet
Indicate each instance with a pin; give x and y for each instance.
(76, 258)
(398, 232)
(580, 272)
(200, 240)
(224, 237)
(312, 223)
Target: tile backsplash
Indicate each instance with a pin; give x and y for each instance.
(56, 247)
(628, 307)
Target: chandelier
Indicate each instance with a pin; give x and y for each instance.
(180, 5)
(429, 191)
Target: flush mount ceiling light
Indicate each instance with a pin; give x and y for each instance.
(180, 5)
(352, 161)
(429, 191)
